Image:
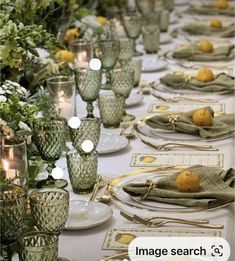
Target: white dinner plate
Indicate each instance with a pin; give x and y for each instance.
(134, 99)
(150, 64)
(181, 2)
(165, 38)
(173, 19)
(110, 143)
(86, 214)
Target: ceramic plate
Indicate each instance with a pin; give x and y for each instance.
(134, 99)
(173, 19)
(86, 214)
(153, 64)
(110, 143)
(165, 38)
(181, 2)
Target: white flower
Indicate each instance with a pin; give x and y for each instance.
(21, 103)
(3, 98)
(2, 91)
(24, 126)
(77, 24)
(38, 114)
(8, 92)
(90, 20)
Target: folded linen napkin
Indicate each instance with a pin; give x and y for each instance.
(204, 29)
(221, 83)
(209, 9)
(191, 52)
(215, 185)
(222, 125)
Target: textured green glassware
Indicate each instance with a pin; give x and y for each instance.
(13, 201)
(88, 130)
(122, 84)
(111, 110)
(88, 84)
(151, 38)
(50, 208)
(145, 6)
(137, 67)
(132, 23)
(127, 50)
(82, 168)
(108, 52)
(38, 246)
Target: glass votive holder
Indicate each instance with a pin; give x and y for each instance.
(83, 52)
(82, 168)
(137, 66)
(50, 208)
(38, 246)
(62, 89)
(14, 164)
(169, 4)
(164, 20)
(88, 130)
(111, 110)
(151, 38)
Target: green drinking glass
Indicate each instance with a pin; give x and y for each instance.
(127, 50)
(145, 6)
(111, 110)
(38, 246)
(88, 130)
(123, 82)
(151, 38)
(132, 23)
(108, 52)
(137, 66)
(13, 202)
(88, 84)
(50, 208)
(82, 168)
(50, 138)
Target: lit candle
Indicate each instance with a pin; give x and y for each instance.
(81, 60)
(10, 174)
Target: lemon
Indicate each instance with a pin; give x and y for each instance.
(216, 23)
(188, 181)
(221, 4)
(205, 75)
(125, 238)
(202, 117)
(206, 47)
(147, 159)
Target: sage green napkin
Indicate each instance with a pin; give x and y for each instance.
(221, 83)
(215, 185)
(209, 9)
(203, 29)
(222, 125)
(191, 52)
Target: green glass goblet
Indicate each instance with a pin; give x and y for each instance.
(50, 138)
(50, 208)
(13, 201)
(145, 6)
(132, 23)
(108, 52)
(111, 110)
(88, 84)
(82, 168)
(123, 82)
(38, 246)
(151, 38)
(88, 130)
(127, 50)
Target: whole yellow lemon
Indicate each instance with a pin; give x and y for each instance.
(202, 117)
(222, 4)
(205, 75)
(216, 23)
(206, 47)
(188, 181)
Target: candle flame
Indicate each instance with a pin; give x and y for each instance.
(5, 165)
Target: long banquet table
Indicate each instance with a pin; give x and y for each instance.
(86, 245)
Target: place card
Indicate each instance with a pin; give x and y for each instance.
(182, 159)
(120, 238)
(183, 107)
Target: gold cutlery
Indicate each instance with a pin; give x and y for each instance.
(171, 145)
(105, 198)
(182, 98)
(155, 224)
(95, 190)
(116, 256)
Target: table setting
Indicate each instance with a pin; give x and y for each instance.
(116, 122)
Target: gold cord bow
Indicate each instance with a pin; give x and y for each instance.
(172, 119)
(151, 185)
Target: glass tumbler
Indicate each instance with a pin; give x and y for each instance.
(137, 66)
(38, 246)
(151, 38)
(164, 20)
(50, 208)
(145, 6)
(127, 50)
(63, 92)
(82, 168)
(88, 130)
(111, 110)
